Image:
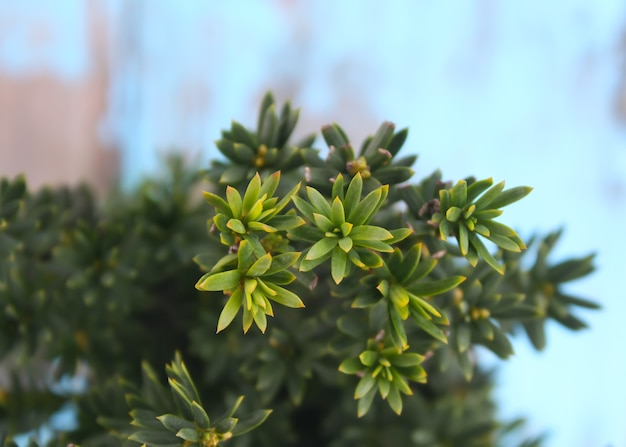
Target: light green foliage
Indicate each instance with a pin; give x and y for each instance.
(467, 216)
(401, 283)
(256, 213)
(383, 370)
(252, 285)
(340, 230)
(386, 287)
(258, 276)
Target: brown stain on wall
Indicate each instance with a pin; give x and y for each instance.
(48, 130)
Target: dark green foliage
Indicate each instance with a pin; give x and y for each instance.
(265, 150)
(165, 419)
(376, 162)
(372, 343)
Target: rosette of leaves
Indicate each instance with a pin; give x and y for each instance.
(375, 162)
(267, 149)
(469, 217)
(177, 417)
(340, 230)
(480, 311)
(452, 413)
(400, 281)
(385, 370)
(253, 216)
(252, 285)
(544, 287)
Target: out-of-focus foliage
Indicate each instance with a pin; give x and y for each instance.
(386, 287)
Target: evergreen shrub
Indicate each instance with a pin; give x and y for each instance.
(383, 292)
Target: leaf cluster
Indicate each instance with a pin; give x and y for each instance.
(386, 288)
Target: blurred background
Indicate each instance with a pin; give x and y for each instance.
(532, 92)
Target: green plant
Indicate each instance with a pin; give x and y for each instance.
(380, 292)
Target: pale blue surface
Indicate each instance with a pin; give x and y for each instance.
(64, 52)
(521, 91)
